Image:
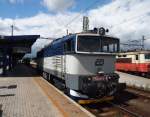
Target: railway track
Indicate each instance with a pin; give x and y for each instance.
(111, 109)
(118, 107)
(130, 103)
(121, 106)
(127, 111)
(139, 92)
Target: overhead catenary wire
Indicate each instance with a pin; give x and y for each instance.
(83, 11)
(128, 20)
(78, 15)
(136, 41)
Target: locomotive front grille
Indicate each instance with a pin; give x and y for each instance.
(100, 85)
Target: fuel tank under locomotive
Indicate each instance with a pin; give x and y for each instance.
(100, 85)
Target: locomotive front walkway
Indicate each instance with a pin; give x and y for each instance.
(34, 97)
(135, 81)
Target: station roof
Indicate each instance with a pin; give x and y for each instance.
(20, 44)
(20, 40)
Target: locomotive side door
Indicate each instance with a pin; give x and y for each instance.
(63, 68)
(69, 49)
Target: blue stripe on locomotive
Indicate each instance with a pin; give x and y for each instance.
(57, 46)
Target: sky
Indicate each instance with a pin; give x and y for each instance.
(125, 19)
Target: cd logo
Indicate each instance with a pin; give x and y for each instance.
(99, 62)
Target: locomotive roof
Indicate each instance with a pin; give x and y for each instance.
(86, 34)
(64, 38)
(96, 34)
(134, 52)
(82, 33)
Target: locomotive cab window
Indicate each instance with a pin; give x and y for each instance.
(89, 44)
(97, 44)
(110, 44)
(68, 46)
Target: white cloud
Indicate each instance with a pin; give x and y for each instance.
(12, 1)
(42, 24)
(58, 5)
(125, 19)
(119, 12)
(15, 1)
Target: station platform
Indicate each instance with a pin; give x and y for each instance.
(134, 81)
(34, 97)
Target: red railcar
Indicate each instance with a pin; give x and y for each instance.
(138, 62)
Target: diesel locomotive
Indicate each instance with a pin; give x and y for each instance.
(85, 62)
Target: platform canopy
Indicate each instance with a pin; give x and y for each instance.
(18, 44)
(13, 48)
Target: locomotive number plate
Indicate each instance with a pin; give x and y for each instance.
(99, 62)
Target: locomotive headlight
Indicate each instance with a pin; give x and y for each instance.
(101, 73)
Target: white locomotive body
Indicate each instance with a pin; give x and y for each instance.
(84, 61)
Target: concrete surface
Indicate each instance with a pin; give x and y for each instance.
(35, 97)
(135, 81)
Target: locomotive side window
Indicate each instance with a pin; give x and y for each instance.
(136, 57)
(68, 46)
(147, 56)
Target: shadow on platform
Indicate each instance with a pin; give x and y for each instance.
(1, 111)
(21, 70)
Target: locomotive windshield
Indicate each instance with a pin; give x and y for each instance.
(89, 44)
(97, 44)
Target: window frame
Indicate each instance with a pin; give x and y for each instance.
(72, 46)
(101, 52)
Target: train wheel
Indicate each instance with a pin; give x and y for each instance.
(51, 79)
(45, 75)
(48, 79)
(67, 90)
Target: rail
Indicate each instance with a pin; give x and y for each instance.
(125, 110)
